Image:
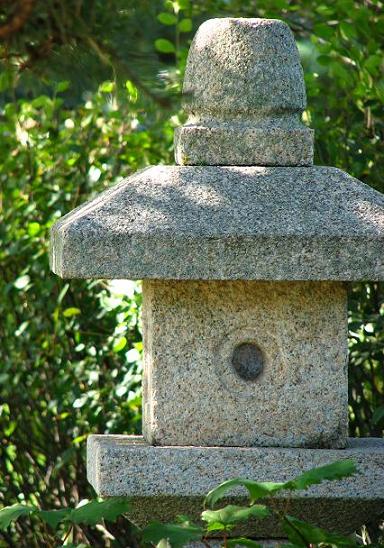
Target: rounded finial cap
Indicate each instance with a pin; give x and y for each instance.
(244, 95)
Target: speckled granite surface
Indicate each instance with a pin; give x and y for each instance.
(166, 481)
(244, 95)
(226, 223)
(194, 396)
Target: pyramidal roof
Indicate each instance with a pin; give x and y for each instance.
(216, 222)
(245, 201)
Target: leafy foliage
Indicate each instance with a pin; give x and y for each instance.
(219, 521)
(227, 517)
(257, 490)
(61, 378)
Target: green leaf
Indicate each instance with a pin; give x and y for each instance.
(167, 18)
(120, 343)
(132, 91)
(255, 489)
(348, 31)
(54, 517)
(324, 31)
(12, 513)
(233, 542)
(373, 63)
(33, 229)
(185, 25)
(164, 46)
(337, 470)
(62, 86)
(107, 87)
(95, 511)
(177, 534)
(231, 514)
(301, 533)
(72, 311)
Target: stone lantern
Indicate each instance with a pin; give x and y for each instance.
(244, 248)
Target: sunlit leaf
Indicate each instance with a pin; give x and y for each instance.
(33, 228)
(95, 511)
(232, 514)
(107, 87)
(336, 470)
(119, 344)
(132, 91)
(255, 489)
(72, 311)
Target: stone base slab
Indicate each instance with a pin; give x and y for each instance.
(166, 481)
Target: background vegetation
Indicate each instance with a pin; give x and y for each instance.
(90, 92)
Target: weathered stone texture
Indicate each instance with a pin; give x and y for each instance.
(192, 393)
(244, 94)
(166, 481)
(226, 223)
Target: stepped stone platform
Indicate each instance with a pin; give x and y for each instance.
(166, 481)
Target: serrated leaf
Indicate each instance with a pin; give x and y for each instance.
(164, 46)
(167, 18)
(12, 513)
(71, 311)
(95, 511)
(54, 517)
(301, 533)
(232, 514)
(255, 489)
(337, 470)
(185, 25)
(177, 534)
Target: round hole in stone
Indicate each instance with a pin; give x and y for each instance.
(248, 361)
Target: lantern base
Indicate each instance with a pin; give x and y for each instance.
(164, 482)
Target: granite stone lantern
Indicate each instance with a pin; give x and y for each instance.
(245, 250)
